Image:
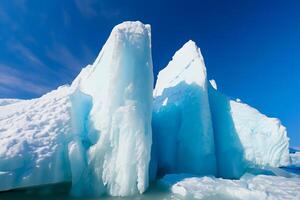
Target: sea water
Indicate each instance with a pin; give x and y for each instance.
(61, 192)
(156, 191)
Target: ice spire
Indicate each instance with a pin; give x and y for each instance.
(120, 84)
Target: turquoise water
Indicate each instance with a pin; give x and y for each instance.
(60, 192)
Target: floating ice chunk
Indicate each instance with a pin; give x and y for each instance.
(250, 187)
(182, 129)
(119, 123)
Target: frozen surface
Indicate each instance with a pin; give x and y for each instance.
(182, 129)
(117, 127)
(250, 187)
(33, 137)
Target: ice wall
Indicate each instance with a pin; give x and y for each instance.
(183, 139)
(229, 149)
(119, 122)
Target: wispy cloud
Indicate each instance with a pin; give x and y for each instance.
(12, 80)
(21, 4)
(7, 20)
(63, 55)
(25, 53)
(86, 8)
(93, 8)
(66, 18)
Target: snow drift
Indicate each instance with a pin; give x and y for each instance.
(97, 132)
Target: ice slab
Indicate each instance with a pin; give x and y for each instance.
(261, 187)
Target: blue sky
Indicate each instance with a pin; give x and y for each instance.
(251, 48)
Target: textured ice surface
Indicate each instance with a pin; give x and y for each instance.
(182, 129)
(250, 187)
(33, 137)
(264, 139)
(118, 124)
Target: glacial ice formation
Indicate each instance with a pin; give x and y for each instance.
(181, 116)
(97, 132)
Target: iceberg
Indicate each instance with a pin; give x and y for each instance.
(110, 133)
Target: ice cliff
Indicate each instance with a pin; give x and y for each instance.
(97, 132)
